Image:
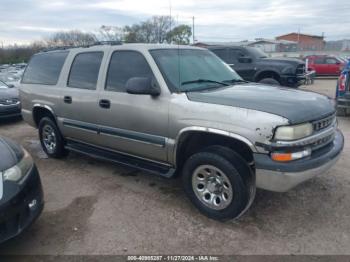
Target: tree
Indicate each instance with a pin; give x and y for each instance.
(71, 38)
(180, 35)
(110, 33)
(153, 30)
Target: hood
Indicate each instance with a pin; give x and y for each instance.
(295, 105)
(10, 153)
(6, 93)
(282, 60)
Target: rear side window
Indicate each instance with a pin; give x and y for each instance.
(84, 71)
(123, 66)
(44, 68)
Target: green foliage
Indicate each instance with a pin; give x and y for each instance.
(180, 35)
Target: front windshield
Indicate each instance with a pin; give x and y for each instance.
(193, 69)
(3, 85)
(256, 52)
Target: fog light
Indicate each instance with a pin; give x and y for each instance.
(32, 205)
(285, 157)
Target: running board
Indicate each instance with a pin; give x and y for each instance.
(122, 159)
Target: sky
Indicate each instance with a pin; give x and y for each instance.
(23, 21)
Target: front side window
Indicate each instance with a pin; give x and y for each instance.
(331, 61)
(85, 69)
(44, 68)
(222, 53)
(234, 56)
(182, 68)
(123, 66)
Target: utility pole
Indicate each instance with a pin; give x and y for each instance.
(193, 38)
(298, 38)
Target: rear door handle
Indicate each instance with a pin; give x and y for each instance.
(67, 99)
(104, 103)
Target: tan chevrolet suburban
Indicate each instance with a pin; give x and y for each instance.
(180, 110)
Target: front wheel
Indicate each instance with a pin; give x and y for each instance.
(217, 186)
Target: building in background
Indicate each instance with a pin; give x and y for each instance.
(305, 42)
(271, 46)
(338, 45)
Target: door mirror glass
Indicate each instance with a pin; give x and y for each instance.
(245, 59)
(142, 86)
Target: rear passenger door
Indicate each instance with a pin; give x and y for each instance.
(80, 97)
(130, 123)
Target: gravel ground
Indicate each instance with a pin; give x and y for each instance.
(93, 207)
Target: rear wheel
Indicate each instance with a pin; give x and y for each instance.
(51, 139)
(218, 182)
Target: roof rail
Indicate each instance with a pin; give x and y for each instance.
(108, 43)
(81, 46)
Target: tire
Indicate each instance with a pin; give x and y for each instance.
(51, 139)
(269, 81)
(234, 174)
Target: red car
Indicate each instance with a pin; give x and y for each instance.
(325, 64)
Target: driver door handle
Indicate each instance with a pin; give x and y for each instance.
(104, 103)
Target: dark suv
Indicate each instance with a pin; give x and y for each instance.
(253, 65)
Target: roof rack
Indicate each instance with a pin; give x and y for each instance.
(82, 46)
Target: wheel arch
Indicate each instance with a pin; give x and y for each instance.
(193, 139)
(40, 111)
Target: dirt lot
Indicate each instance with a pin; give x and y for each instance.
(93, 207)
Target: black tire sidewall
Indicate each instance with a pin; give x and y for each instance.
(240, 190)
(59, 150)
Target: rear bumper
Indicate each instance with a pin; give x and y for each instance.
(281, 177)
(19, 211)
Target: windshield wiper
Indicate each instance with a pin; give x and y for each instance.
(204, 81)
(232, 81)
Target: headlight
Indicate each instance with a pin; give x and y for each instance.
(17, 172)
(293, 132)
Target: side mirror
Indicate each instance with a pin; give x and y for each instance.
(245, 59)
(142, 86)
(11, 85)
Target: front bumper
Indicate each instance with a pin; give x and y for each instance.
(20, 205)
(10, 111)
(298, 80)
(281, 177)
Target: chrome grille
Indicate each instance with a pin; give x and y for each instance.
(322, 142)
(323, 123)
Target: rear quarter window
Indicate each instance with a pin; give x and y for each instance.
(44, 68)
